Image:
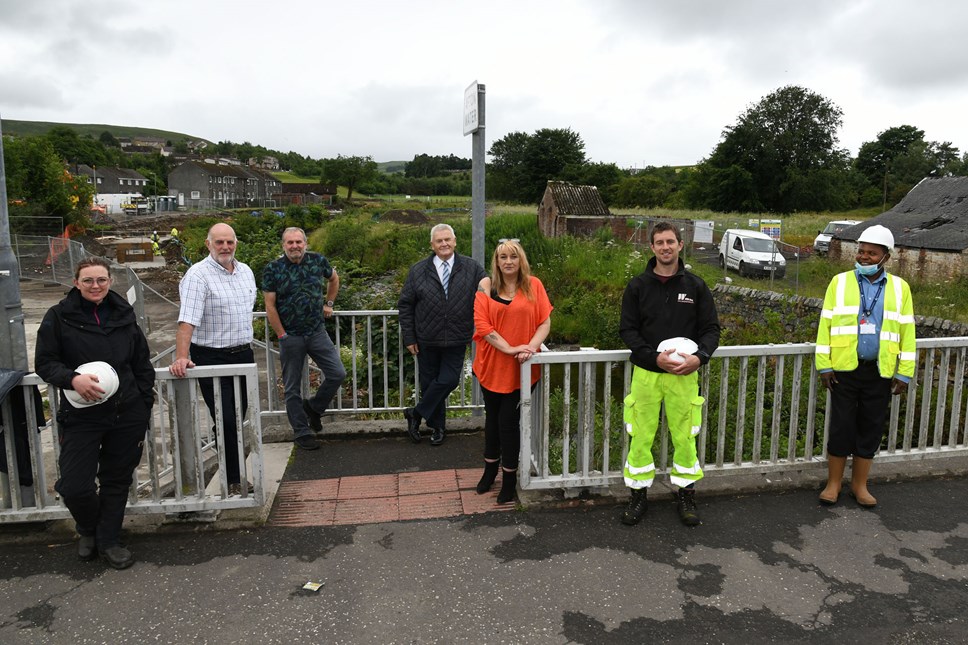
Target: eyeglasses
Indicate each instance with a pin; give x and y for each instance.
(508, 239)
(90, 282)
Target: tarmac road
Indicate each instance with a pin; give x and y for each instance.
(766, 568)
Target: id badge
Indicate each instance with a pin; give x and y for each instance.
(868, 328)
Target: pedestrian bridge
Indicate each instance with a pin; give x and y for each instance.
(764, 422)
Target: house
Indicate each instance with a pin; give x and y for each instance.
(266, 163)
(113, 186)
(199, 184)
(930, 227)
(568, 209)
(113, 180)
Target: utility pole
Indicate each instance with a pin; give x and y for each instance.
(474, 125)
(13, 338)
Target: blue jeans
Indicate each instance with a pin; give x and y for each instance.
(292, 354)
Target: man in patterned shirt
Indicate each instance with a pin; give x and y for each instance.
(215, 328)
(293, 288)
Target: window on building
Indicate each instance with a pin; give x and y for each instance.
(196, 194)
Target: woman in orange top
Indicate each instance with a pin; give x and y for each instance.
(512, 316)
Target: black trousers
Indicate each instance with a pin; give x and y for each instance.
(209, 356)
(502, 427)
(439, 374)
(109, 450)
(859, 405)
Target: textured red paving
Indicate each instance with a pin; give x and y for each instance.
(383, 498)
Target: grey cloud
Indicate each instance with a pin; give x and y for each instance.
(30, 92)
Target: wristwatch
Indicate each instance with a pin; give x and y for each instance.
(329, 303)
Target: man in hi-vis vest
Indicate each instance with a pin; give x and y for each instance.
(865, 353)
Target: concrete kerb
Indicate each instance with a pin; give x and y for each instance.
(808, 475)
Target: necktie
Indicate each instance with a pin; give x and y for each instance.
(445, 280)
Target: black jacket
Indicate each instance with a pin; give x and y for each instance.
(69, 336)
(426, 316)
(653, 311)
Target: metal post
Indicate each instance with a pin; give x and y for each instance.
(477, 182)
(13, 338)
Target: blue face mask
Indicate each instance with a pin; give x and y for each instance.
(867, 269)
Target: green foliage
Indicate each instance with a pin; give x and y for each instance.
(348, 171)
(38, 184)
(523, 163)
(781, 156)
(435, 165)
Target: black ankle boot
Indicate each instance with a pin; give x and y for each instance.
(487, 479)
(638, 505)
(509, 486)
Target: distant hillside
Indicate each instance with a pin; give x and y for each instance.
(390, 167)
(30, 128)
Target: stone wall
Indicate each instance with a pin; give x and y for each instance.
(799, 315)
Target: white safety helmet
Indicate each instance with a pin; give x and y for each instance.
(878, 234)
(683, 346)
(107, 378)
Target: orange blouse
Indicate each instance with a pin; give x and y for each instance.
(516, 323)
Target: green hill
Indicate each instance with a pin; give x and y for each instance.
(33, 128)
(390, 167)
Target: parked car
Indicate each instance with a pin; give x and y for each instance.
(822, 244)
(751, 253)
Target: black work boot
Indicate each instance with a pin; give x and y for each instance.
(638, 505)
(686, 505)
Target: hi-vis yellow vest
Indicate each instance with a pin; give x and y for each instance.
(837, 334)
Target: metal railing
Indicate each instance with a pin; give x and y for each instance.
(181, 469)
(761, 413)
(381, 375)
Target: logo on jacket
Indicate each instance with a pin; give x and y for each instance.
(685, 299)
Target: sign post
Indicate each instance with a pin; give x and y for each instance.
(474, 125)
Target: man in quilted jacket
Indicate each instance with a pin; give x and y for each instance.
(437, 321)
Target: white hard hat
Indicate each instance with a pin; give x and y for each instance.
(107, 378)
(681, 345)
(877, 234)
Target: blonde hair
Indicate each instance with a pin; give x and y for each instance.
(524, 269)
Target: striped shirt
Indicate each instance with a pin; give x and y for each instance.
(218, 304)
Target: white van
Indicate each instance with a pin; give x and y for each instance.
(822, 244)
(751, 253)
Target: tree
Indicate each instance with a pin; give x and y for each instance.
(348, 171)
(900, 157)
(522, 163)
(776, 147)
(38, 183)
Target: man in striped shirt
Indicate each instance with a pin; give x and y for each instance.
(215, 328)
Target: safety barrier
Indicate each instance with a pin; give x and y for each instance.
(761, 413)
(381, 375)
(181, 470)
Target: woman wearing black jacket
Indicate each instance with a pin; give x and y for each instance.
(104, 440)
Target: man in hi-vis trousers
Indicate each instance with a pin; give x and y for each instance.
(669, 322)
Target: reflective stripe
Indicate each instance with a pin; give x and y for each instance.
(844, 310)
(628, 428)
(696, 430)
(822, 349)
(906, 320)
(638, 483)
(681, 482)
(827, 313)
(908, 356)
(891, 315)
(639, 471)
(889, 336)
(686, 470)
(848, 330)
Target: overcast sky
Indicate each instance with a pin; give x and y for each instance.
(643, 82)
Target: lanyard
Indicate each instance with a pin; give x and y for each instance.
(863, 300)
